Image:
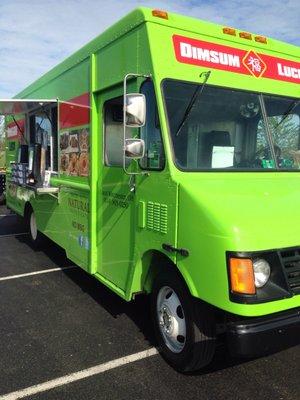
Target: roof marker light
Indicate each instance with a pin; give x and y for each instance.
(245, 35)
(160, 14)
(260, 39)
(229, 31)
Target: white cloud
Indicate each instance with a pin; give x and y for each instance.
(37, 34)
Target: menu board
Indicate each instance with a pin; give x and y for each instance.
(74, 152)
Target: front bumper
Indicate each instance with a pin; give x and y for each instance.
(253, 337)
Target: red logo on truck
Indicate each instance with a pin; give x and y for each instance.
(227, 58)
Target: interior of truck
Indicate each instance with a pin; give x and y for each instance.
(31, 127)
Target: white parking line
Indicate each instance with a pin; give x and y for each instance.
(13, 235)
(43, 271)
(7, 215)
(77, 376)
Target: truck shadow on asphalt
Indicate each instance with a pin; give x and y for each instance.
(55, 253)
(11, 224)
(138, 311)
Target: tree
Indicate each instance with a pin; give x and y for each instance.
(285, 133)
(2, 143)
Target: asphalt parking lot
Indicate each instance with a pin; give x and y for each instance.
(65, 336)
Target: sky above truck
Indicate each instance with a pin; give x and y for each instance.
(37, 35)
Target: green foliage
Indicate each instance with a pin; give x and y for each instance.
(2, 143)
(285, 132)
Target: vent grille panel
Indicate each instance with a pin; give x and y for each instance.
(157, 217)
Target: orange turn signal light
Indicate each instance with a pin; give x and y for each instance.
(242, 275)
(160, 14)
(260, 39)
(245, 35)
(229, 31)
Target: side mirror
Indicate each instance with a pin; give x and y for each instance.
(134, 148)
(135, 110)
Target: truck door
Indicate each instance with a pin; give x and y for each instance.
(115, 208)
(156, 192)
(132, 222)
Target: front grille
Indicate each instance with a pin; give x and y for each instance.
(291, 263)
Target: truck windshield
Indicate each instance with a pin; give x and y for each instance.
(232, 129)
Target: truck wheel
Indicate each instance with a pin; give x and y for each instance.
(36, 237)
(184, 327)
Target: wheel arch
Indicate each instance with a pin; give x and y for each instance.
(154, 262)
(27, 208)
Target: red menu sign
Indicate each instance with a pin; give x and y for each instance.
(226, 58)
(15, 132)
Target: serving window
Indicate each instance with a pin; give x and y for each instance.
(43, 137)
(31, 125)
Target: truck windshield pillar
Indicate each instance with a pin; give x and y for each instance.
(154, 158)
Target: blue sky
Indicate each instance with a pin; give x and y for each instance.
(35, 35)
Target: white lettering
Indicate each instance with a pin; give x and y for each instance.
(279, 67)
(295, 73)
(194, 51)
(289, 72)
(223, 59)
(213, 56)
(233, 61)
(203, 54)
(186, 50)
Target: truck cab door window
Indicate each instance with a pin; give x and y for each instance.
(154, 152)
(113, 132)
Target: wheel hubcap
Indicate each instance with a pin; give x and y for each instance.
(171, 319)
(33, 227)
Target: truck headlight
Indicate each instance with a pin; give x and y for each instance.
(262, 271)
(258, 276)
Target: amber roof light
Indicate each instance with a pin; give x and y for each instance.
(261, 39)
(245, 35)
(160, 14)
(229, 31)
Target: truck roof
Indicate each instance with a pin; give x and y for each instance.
(142, 15)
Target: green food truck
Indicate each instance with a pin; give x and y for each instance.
(164, 157)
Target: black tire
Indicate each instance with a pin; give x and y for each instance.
(36, 237)
(200, 339)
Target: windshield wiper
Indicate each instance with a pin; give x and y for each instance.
(197, 92)
(287, 113)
